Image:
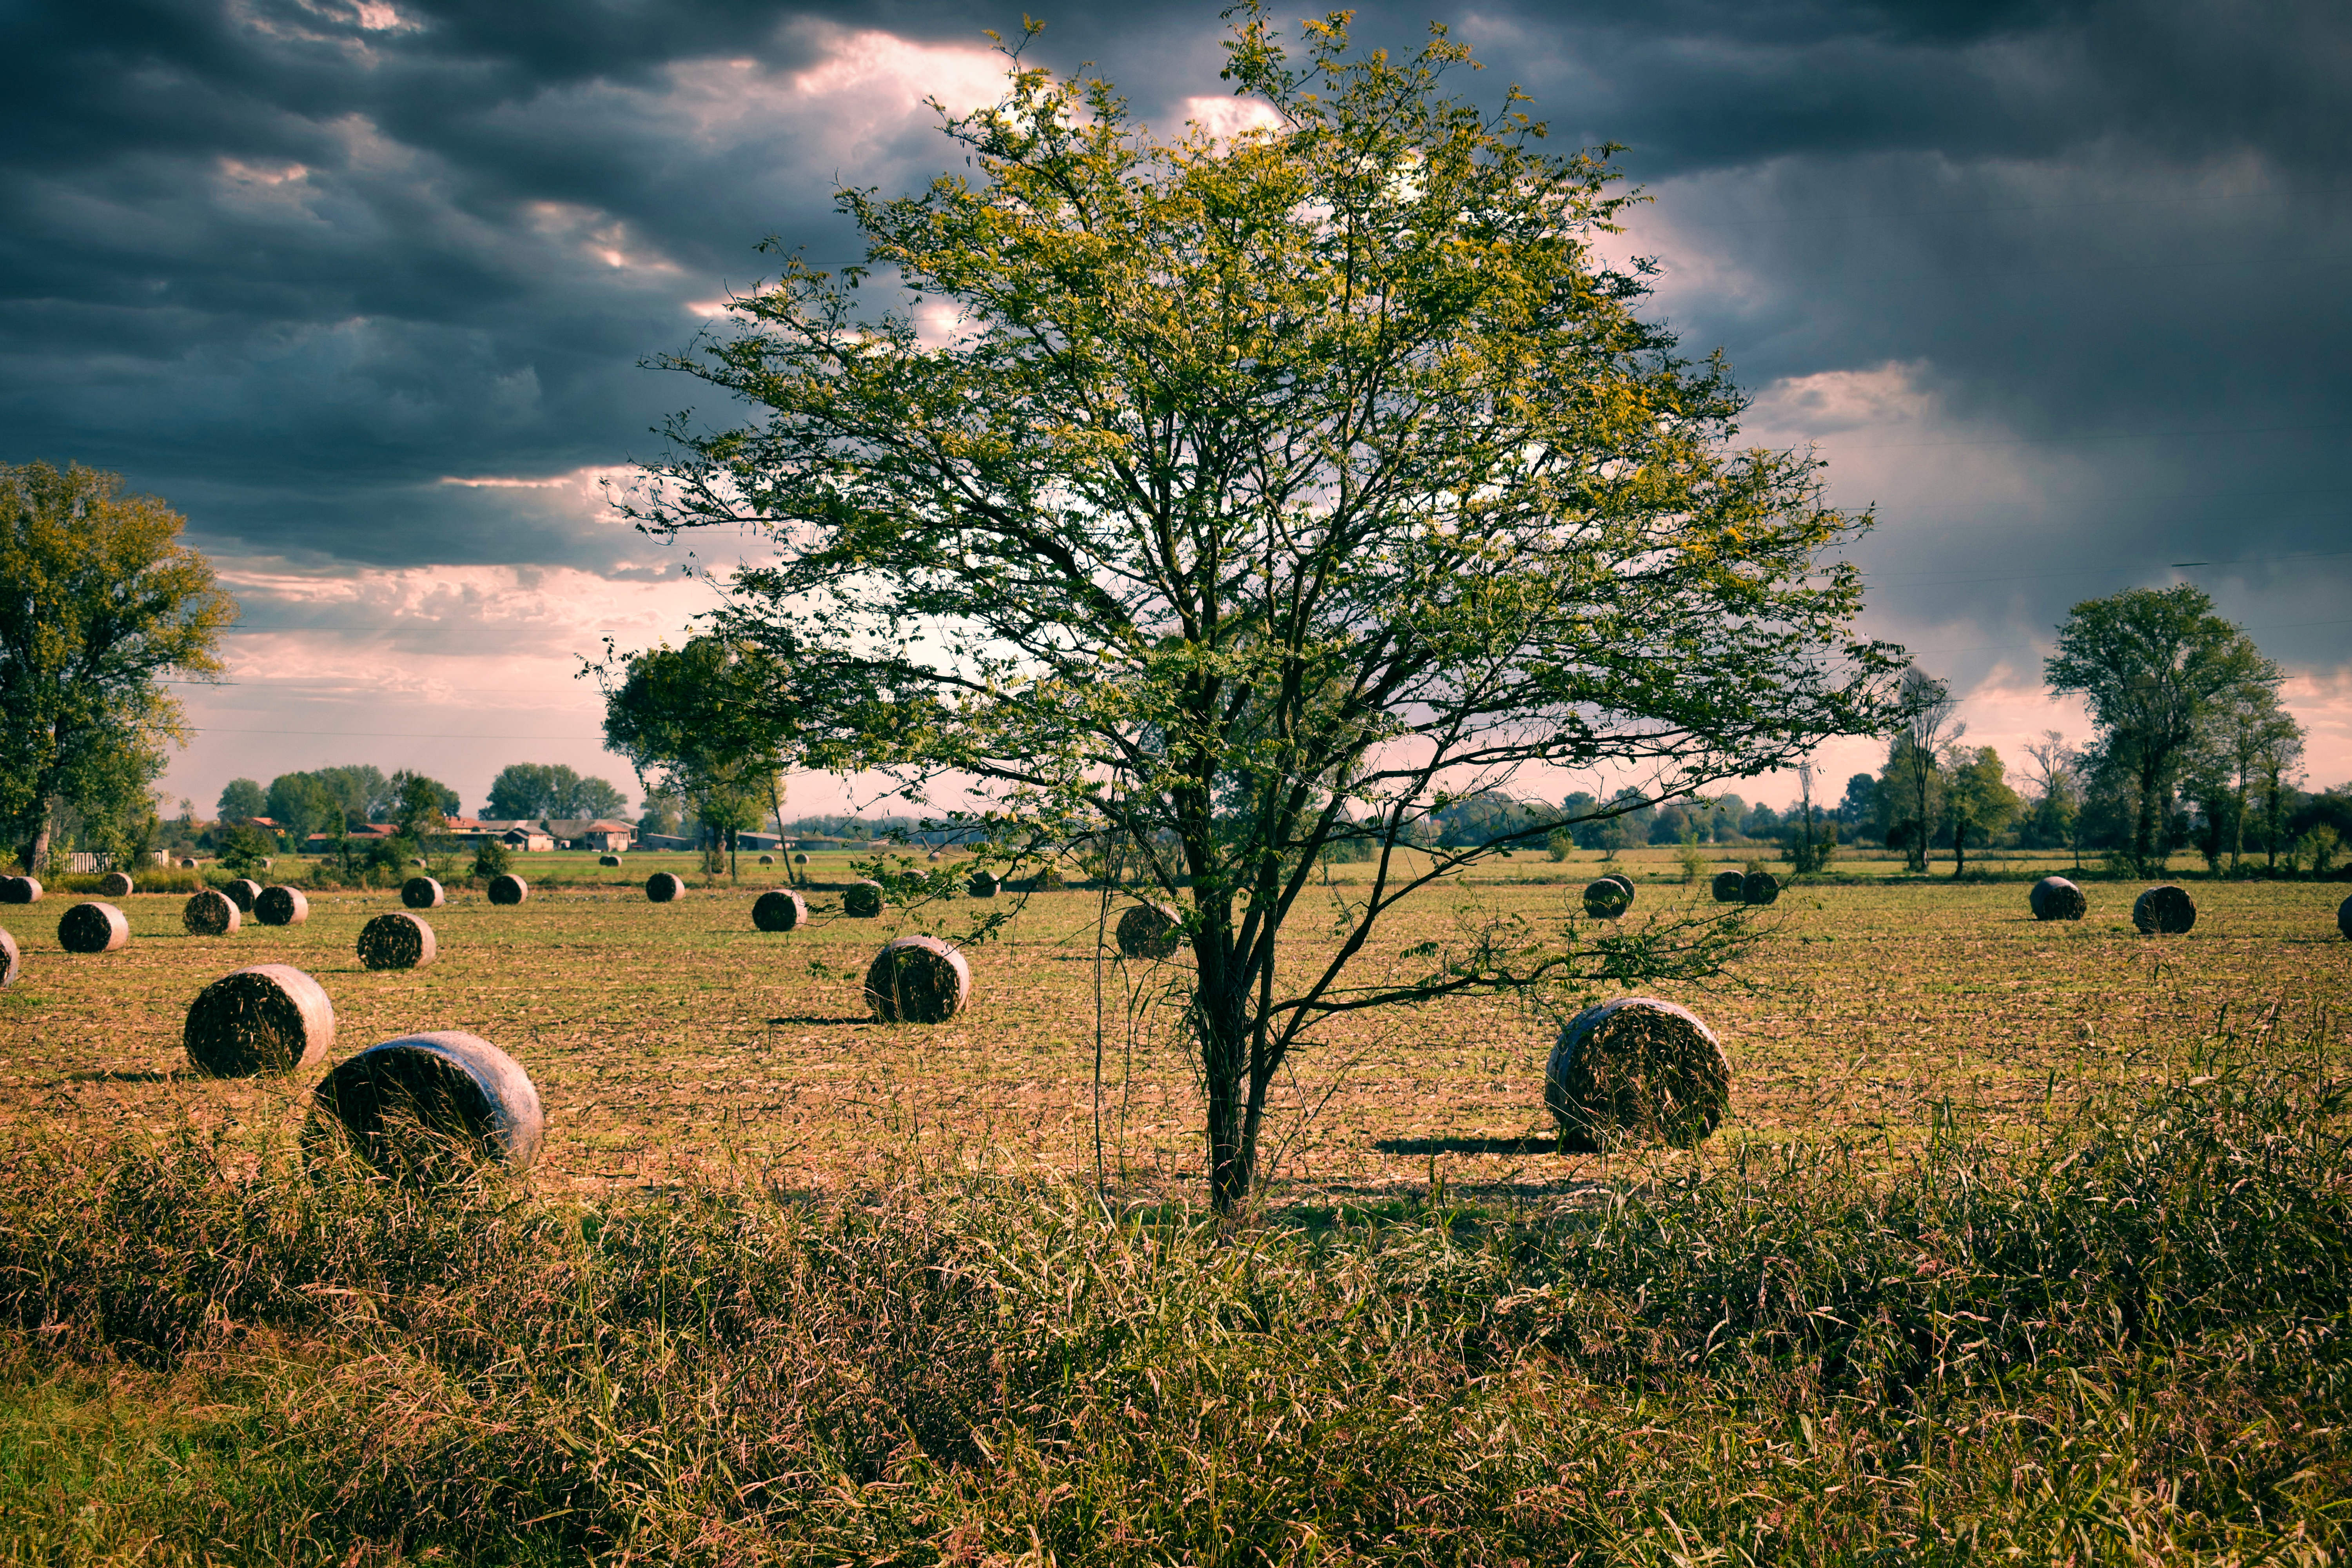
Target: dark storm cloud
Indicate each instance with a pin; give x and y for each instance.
(292, 264)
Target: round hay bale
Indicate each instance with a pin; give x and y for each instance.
(269, 1018)
(432, 1107)
(780, 910)
(2164, 910)
(94, 928)
(396, 940)
(210, 912)
(662, 888)
(918, 980)
(984, 884)
(767, 859)
(2056, 899)
(422, 893)
(800, 859)
(281, 906)
(608, 859)
(1758, 888)
(1637, 1068)
(1151, 930)
(417, 862)
(2343, 918)
(862, 900)
(1606, 898)
(1623, 881)
(20, 890)
(12, 963)
(114, 885)
(1729, 887)
(242, 892)
(506, 888)
(188, 865)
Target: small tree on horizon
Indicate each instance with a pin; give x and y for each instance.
(1266, 494)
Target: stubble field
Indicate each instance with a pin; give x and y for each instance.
(672, 1043)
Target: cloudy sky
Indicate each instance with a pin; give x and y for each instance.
(362, 286)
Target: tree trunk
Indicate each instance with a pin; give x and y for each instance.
(36, 852)
(1224, 1032)
(2143, 831)
(1959, 848)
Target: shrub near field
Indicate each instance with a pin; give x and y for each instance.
(2126, 1344)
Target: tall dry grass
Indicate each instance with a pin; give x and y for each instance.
(2126, 1346)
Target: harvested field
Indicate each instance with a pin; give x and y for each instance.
(694, 1041)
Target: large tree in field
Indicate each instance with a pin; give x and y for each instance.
(699, 723)
(2159, 668)
(99, 603)
(1260, 494)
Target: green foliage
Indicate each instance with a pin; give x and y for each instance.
(390, 856)
(241, 799)
(1558, 842)
(244, 847)
(2159, 670)
(2126, 1345)
(1272, 486)
(536, 791)
(491, 858)
(100, 601)
(421, 806)
(697, 721)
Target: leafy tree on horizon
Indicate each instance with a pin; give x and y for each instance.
(241, 800)
(534, 791)
(696, 720)
(1271, 493)
(99, 603)
(2156, 666)
(1976, 799)
(1912, 785)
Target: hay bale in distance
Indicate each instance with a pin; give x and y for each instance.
(1729, 887)
(780, 909)
(210, 912)
(422, 893)
(417, 862)
(1623, 881)
(608, 859)
(1606, 898)
(281, 906)
(432, 1106)
(242, 892)
(767, 859)
(2056, 899)
(1637, 1068)
(984, 884)
(20, 890)
(94, 928)
(396, 940)
(506, 888)
(662, 888)
(269, 1018)
(1758, 888)
(918, 980)
(862, 900)
(12, 963)
(1151, 930)
(2165, 910)
(114, 885)
(188, 865)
